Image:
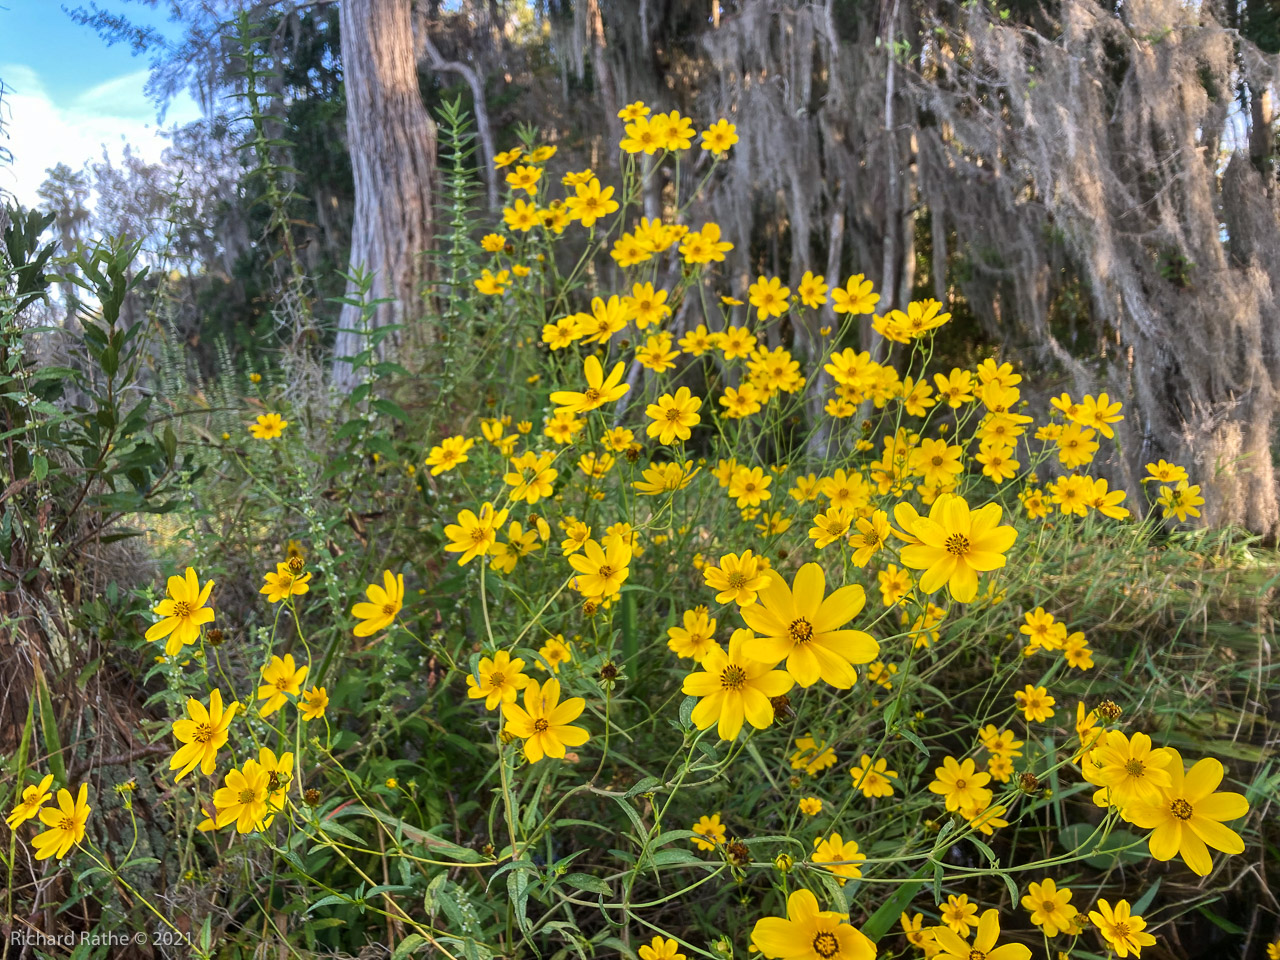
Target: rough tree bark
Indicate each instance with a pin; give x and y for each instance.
(392, 141)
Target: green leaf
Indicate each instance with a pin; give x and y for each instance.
(644, 786)
(913, 738)
(330, 899)
(40, 467)
(49, 727)
(518, 891)
(1146, 899)
(584, 881)
(888, 913)
(407, 946)
(664, 857)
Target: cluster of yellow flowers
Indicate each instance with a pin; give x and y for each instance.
(912, 495)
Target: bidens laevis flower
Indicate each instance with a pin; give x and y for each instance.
(802, 625)
(543, 723)
(183, 612)
(808, 933)
(202, 732)
(732, 688)
(382, 606)
(953, 544)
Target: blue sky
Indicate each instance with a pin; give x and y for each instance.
(68, 95)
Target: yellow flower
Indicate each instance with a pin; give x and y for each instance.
(984, 942)
(590, 202)
(917, 934)
(812, 289)
(244, 798)
(493, 284)
(595, 464)
(1076, 446)
(810, 934)
(960, 784)
(856, 297)
(660, 478)
(182, 612)
(955, 545)
(1163, 472)
(66, 825)
(731, 687)
(508, 157)
(841, 855)
(601, 569)
(543, 723)
(532, 476)
(959, 914)
(281, 677)
(1099, 413)
(1180, 501)
(719, 137)
(661, 949)
(712, 829)
(577, 534)
(643, 135)
(525, 178)
(873, 780)
(519, 543)
(956, 388)
(268, 426)
(648, 306)
(633, 111)
(201, 732)
(1191, 816)
(500, 679)
(555, 652)
(34, 796)
(737, 578)
(313, 703)
(705, 245)
(769, 297)
(493, 243)
(872, 533)
(811, 807)
(451, 452)
(696, 638)
(1050, 908)
(383, 604)
(1130, 769)
(802, 626)
(811, 756)
(749, 487)
(673, 416)
(1122, 930)
(472, 536)
(895, 584)
(1000, 742)
(657, 353)
(1035, 703)
(521, 216)
(283, 583)
(628, 250)
(606, 318)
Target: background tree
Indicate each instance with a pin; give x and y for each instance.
(392, 144)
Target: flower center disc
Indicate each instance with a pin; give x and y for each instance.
(1133, 768)
(733, 677)
(957, 544)
(825, 944)
(181, 608)
(541, 725)
(1180, 809)
(800, 630)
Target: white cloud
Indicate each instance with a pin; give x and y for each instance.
(42, 133)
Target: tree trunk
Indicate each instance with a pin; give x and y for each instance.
(392, 141)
